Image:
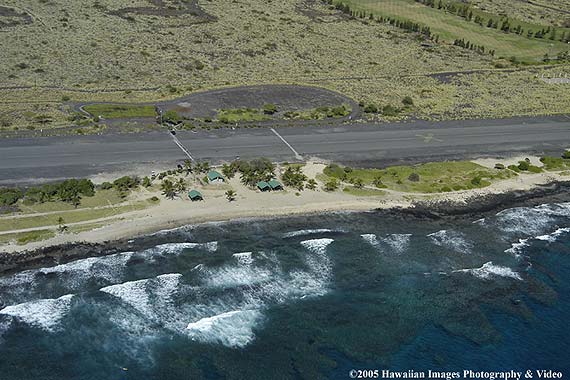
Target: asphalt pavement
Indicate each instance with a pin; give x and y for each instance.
(360, 144)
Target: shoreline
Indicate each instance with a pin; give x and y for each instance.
(101, 242)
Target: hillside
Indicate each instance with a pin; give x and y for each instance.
(56, 52)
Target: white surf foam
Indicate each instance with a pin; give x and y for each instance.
(232, 329)
(318, 246)
(451, 239)
(517, 248)
(311, 232)
(146, 295)
(551, 238)
(234, 276)
(489, 270)
(398, 242)
(531, 220)
(244, 258)
(176, 248)
(44, 313)
(371, 239)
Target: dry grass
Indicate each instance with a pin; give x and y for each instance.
(252, 42)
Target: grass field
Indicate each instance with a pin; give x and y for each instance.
(545, 12)
(451, 27)
(113, 111)
(432, 177)
(81, 51)
(35, 221)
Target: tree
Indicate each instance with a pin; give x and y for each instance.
(168, 189)
(358, 183)
(311, 184)
(231, 195)
(294, 177)
(146, 182)
(188, 167)
(331, 185)
(180, 186)
(61, 225)
(378, 183)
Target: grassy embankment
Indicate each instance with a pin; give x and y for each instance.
(434, 177)
(120, 111)
(451, 27)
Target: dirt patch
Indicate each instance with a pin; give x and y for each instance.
(11, 17)
(316, 10)
(168, 9)
(285, 97)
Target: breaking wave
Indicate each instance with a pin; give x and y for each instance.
(451, 239)
(312, 232)
(232, 329)
(45, 314)
(530, 220)
(489, 270)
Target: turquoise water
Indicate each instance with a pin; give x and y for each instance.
(301, 298)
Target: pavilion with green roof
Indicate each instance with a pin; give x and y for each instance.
(214, 176)
(275, 185)
(263, 186)
(195, 195)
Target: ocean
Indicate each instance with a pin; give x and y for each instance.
(301, 298)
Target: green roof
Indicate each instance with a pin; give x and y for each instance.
(262, 185)
(213, 175)
(194, 194)
(275, 184)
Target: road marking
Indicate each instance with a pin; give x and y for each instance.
(297, 155)
(182, 147)
(428, 138)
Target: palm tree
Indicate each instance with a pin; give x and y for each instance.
(311, 184)
(168, 189)
(188, 167)
(231, 195)
(180, 185)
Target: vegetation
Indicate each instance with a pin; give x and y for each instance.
(230, 195)
(425, 178)
(241, 115)
(319, 113)
(294, 177)
(117, 111)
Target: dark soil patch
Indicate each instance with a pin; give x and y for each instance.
(285, 97)
(307, 8)
(173, 8)
(11, 17)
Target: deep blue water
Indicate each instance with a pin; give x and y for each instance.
(301, 298)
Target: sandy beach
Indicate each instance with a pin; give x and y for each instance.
(255, 204)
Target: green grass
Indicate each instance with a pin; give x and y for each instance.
(27, 237)
(118, 111)
(450, 27)
(555, 163)
(100, 199)
(363, 192)
(31, 221)
(230, 116)
(434, 177)
(319, 113)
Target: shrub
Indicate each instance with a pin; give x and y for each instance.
(534, 169)
(331, 185)
(390, 110)
(476, 181)
(514, 168)
(371, 108)
(106, 186)
(408, 101)
(523, 166)
(566, 155)
(499, 166)
(414, 177)
(9, 196)
(269, 109)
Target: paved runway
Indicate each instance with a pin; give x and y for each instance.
(28, 160)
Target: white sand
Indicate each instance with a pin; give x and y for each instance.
(254, 204)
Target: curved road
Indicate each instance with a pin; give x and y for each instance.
(40, 159)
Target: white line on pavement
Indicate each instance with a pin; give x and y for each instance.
(297, 155)
(182, 147)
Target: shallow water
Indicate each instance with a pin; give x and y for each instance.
(309, 297)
